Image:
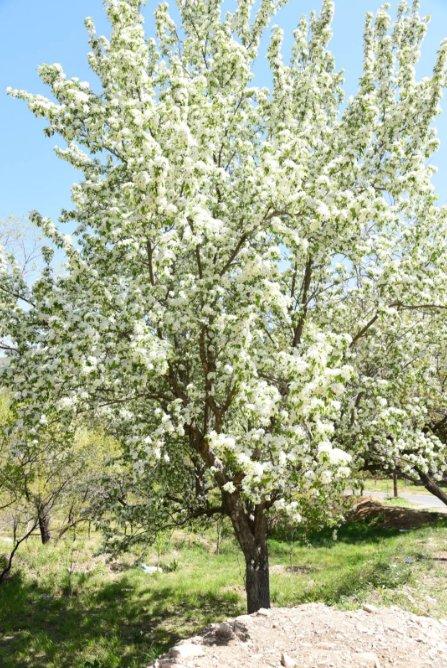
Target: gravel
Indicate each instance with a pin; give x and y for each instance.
(316, 636)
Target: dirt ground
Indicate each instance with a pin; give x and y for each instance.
(367, 509)
(314, 636)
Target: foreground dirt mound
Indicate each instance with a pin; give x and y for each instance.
(368, 509)
(315, 635)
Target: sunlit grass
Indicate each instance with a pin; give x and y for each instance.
(398, 502)
(386, 485)
(64, 607)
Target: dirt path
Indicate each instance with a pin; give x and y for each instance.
(316, 636)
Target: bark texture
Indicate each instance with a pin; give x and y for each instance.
(251, 532)
(44, 525)
(432, 486)
(395, 491)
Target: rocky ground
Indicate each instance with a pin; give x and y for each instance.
(315, 635)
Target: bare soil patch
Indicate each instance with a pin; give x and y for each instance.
(313, 636)
(367, 509)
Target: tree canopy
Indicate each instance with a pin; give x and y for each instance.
(255, 290)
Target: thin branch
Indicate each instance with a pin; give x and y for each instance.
(304, 303)
(17, 295)
(364, 330)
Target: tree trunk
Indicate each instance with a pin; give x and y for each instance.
(251, 533)
(432, 486)
(6, 571)
(395, 493)
(257, 580)
(44, 525)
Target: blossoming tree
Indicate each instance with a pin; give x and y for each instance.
(395, 417)
(236, 251)
(57, 468)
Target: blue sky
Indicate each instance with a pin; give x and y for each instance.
(37, 31)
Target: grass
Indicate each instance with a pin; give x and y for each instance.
(65, 608)
(399, 502)
(386, 485)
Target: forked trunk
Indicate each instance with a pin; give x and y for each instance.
(44, 525)
(251, 533)
(5, 572)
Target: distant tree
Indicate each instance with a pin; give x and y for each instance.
(21, 240)
(54, 469)
(240, 256)
(393, 415)
(50, 479)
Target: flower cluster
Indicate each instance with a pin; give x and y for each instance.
(256, 279)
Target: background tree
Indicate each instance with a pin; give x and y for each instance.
(49, 484)
(392, 420)
(235, 248)
(56, 469)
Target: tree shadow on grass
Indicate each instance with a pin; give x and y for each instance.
(379, 574)
(369, 522)
(351, 533)
(377, 527)
(333, 584)
(368, 531)
(113, 625)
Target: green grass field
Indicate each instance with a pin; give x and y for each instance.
(399, 502)
(386, 485)
(65, 608)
